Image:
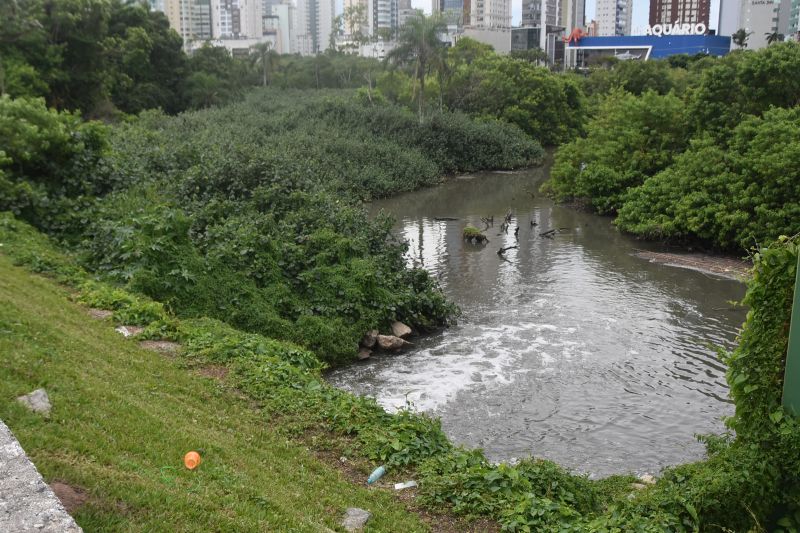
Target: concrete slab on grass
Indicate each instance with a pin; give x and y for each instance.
(26, 501)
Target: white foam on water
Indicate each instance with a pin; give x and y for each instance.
(466, 357)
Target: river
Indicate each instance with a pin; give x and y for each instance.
(571, 349)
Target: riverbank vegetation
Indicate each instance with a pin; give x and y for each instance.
(749, 481)
(124, 416)
(250, 213)
(702, 154)
(238, 233)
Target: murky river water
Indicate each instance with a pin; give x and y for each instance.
(570, 348)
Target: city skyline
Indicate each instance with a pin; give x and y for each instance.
(641, 11)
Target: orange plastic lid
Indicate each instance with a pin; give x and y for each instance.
(192, 460)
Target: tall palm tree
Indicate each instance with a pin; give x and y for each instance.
(263, 56)
(774, 37)
(418, 46)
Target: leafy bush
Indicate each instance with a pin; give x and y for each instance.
(628, 140)
(50, 163)
(249, 214)
(714, 164)
(733, 195)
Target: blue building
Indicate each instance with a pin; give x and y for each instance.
(644, 47)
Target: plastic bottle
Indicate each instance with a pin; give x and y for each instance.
(376, 474)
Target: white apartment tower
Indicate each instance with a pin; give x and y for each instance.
(757, 17)
(614, 17)
(488, 13)
(573, 14)
(190, 18)
(237, 19)
(532, 12)
(314, 26)
(567, 14)
(383, 17)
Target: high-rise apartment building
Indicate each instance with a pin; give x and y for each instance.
(573, 14)
(405, 11)
(280, 20)
(314, 26)
(488, 13)
(729, 12)
(532, 12)
(567, 14)
(788, 13)
(614, 17)
(679, 11)
(759, 18)
(455, 12)
(237, 19)
(383, 17)
(190, 18)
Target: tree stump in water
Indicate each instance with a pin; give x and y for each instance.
(473, 235)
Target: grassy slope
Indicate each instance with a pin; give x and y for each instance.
(123, 417)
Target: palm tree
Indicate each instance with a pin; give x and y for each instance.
(263, 55)
(418, 46)
(774, 37)
(740, 36)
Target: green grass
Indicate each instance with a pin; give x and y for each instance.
(123, 417)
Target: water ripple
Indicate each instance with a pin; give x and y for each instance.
(571, 348)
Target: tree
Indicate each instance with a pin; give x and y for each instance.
(533, 55)
(262, 55)
(740, 37)
(418, 47)
(774, 37)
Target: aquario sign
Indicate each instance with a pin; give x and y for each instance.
(676, 29)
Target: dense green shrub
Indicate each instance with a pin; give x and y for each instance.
(471, 78)
(249, 213)
(733, 195)
(628, 140)
(637, 77)
(714, 164)
(751, 480)
(743, 83)
(546, 106)
(50, 163)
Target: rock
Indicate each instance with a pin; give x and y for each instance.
(638, 486)
(647, 479)
(364, 353)
(129, 331)
(390, 342)
(37, 401)
(355, 518)
(162, 347)
(100, 314)
(400, 330)
(370, 338)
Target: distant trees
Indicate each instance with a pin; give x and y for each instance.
(717, 163)
(470, 77)
(740, 37)
(419, 47)
(265, 59)
(773, 37)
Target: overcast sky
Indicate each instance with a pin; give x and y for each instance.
(640, 11)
